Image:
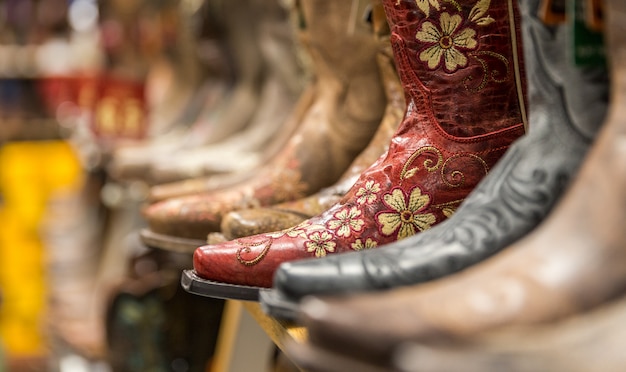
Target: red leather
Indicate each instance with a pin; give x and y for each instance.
(460, 119)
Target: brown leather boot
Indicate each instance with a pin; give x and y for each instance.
(220, 181)
(225, 110)
(587, 342)
(267, 131)
(571, 263)
(253, 221)
(347, 111)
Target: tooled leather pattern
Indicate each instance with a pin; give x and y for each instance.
(465, 96)
(418, 183)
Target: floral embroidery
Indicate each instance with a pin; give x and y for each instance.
(347, 220)
(405, 217)
(424, 5)
(477, 14)
(320, 242)
(448, 211)
(359, 246)
(298, 230)
(446, 42)
(367, 194)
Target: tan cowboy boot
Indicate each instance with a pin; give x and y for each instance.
(590, 341)
(267, 131)
(348, 107)
(587, 342)
(249, 222)
(225, 110)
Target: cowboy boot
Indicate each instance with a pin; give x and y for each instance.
(222, 181)
(590, 341)
(446, 143)
(248, 222)
(509, 203)
(566, 266)
(225, 110)
(265, 134)
(587, 342)
(347, 111)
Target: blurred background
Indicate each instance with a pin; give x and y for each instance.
(78, 79)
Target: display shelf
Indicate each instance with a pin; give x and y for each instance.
(279, 331)
(247, 334)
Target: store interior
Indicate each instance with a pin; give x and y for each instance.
(312, 185)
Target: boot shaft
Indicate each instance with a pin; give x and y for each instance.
(460, 62)
(338, 39)
(567, 101)
(342, 50)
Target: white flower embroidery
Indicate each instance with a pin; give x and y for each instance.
(320, 242)
(346, 221)
(447, 42)
(367, 194)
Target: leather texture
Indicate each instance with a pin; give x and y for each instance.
(347, 110)
(511, 201)
(589, 342)
(435, 158)
(568, 265)
(248, 222)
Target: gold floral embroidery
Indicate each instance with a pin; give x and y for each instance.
(296, 231)
(446, 42)
(347, 220)
(246, 248)
(487, 74)
(367, 194)
(478, 11)
(358, 244)
(405, 218)
(428, 163)
(320, 242)
(456, 178)
(449, 208)
(424, 5)
(448, 211)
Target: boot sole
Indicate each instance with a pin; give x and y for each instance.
(192, 283)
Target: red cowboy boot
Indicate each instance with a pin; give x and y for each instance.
(460, 64)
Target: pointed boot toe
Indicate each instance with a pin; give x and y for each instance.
(335, 325)
(250, 222)
(181, 217)
(305, 279)
(216, 262)
(440, 152)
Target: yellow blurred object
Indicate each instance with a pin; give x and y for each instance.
(31, 174)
